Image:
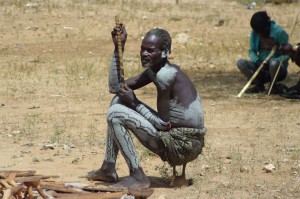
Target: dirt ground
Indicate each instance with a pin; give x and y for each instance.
(54, 59)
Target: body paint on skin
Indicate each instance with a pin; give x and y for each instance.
(165, 76)
(178, 113)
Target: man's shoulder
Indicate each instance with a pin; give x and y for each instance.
(174, 67)
(170, 69)
(276, 27)
(279, 34)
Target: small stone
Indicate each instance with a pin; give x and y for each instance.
(220, 22)
(205, 167)
(48, 146)
(251, 5)
(269, 168)
(227, 161)
(66, 147)
(34, 107)
(245, 169)
(16, 132)
(31, 5)
(69, 28)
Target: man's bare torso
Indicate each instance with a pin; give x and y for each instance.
(177, 99)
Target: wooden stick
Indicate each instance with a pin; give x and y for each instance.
(102, 188)
(295, 24)
(6, 193)
(275, 77)
(4, 184)
(294, 48)
(119, 38)
(61, 189)
(34, 178)
(98, 195)
(258, 70)
(4, 173)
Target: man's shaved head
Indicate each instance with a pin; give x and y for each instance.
(164, 36)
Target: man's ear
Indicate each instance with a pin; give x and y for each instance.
(165, 54)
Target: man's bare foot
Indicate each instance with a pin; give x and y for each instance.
(140, 193)
(136, 180)
(179, 181)
(132, 182)
(106, 173)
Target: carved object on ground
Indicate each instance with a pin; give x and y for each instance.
(20, 184)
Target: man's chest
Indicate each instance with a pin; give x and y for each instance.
(267, 43)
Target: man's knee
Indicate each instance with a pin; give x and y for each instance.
(118, 113)
(273, 64)
(239, 63)
(113, 111)
(242, 64)
(115, 100)
(273, 67)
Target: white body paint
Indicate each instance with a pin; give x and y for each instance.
(164, 77)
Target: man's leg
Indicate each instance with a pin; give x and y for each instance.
(293, 92)
(248, 68)
(120, 120)
(273, 66)
(107, 172)
(282, 73)
(296, 87)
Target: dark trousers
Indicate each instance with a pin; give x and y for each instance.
(267, 74)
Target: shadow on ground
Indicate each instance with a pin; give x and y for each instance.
(161, 182)
(216, 84)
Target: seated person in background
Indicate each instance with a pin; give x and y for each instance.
(294, 52)
(264, 35)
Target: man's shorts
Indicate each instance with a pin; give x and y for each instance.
(182, 145)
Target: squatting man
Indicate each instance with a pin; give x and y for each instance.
(175, 132)
(265, 34)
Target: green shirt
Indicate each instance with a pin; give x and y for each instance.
(280, 37)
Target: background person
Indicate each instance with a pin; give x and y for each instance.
(264, 35)
(287, 49)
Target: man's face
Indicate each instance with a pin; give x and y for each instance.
(151, 52)
(265, 32)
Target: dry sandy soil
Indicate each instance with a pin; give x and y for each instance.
(54, 59)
